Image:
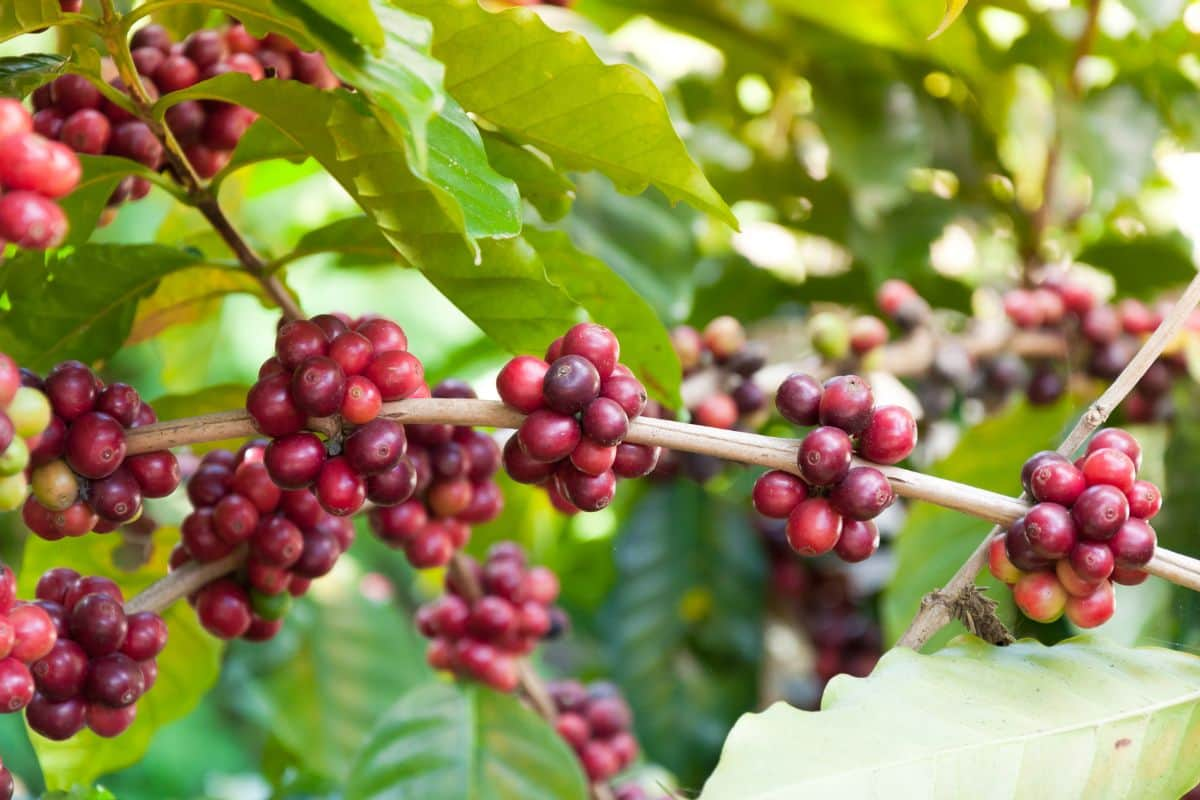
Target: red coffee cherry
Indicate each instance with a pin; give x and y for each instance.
(776, 493)
(595, 343)
(859, 540)
(846, 403)
(824, 456)
(890, 435)
(813, 527)
(798, 399)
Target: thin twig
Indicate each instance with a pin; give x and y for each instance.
(934, 616)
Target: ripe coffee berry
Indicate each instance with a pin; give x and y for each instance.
(858, 542)
(798, 399)
(890, 435)
(1100, 512)
(813, 527)
(1050, 530)
(824, 457)
(862, 495)
(1109, 466)
(776, 493)
(846, 403)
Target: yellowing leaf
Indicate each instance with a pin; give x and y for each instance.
(953, 9)
(187, 296)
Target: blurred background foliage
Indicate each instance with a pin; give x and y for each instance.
(851, 150)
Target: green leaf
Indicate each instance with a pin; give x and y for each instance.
(936, 541)
(355, 16)
(101, 175)
(1145, 265)
(549, 89)
(1081, 719)
(342, 132)
(357, 239)
(319, 686)
(189, 295)
(262, 142)
(953, 9)
(645, 344)
(186, 668)
(683, 623)
(506, 292)
(464, 743)
(58, 308)
(24, 16)
(20, 75)
(547, 189)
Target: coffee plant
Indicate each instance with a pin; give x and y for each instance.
(598, 400)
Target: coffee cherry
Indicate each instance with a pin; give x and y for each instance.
(92, 584)
(53, 585)
(271, 405)
(339, 488)
(95, 445)
(571, 383)
(635, 460)
(724, 336)
(1020, 551)
(520, 383)
(798, 399)
(1100, 512)
(846, 403)
(14, 119)
(593, 458)
(104, 720)
(235, 519)
(1117, 439)
(1133, 545)
(31, 221)
(114, 680)
(890, 435)
(1075, 584)
(813, 527)
(299, 340)
(1145, 500)
(586, 492)
(858, 542)
(312, 69)
(55, 486)
(384, 334)
(776, 493)
(824, 457)
(1040, 596)
(716, 411)
(97, 622)
(56, 720)
(156, 473)
(226, 125)
(61, 673)
(628, 393)
(605, 421)
(375, 447)
(999, 564)
(30, 410)
(1091, 561)
(1050, 530)
(146, 636)
(1094, 609)
(863, 494)
(294, 461)
(117, 498)
(523, 469)
(595, 343)
(1109, 466)
(224, 609)
(87, 131)
(1057, 481)
(1035, 462)
(599, 761)
(16, 685)
(547, 435)
(34, 632)
(318, 386)
(397, 373)
(15, 458)
(429, 548)
(393, 486)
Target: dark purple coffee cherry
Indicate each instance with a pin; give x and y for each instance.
(799, 399)
(98, 624)
(605, 422)
(847, 403)
(824, 457)
(863, 494)
(571, 383)
(115, 680)
(375, 447)
(1100, 512)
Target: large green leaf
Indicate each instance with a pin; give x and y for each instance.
(23, 16)
(506, 292)
(357, 239)
(186, 669)
(936, 541)
(464, 743)
(101, 174)
(322, 684)
(547, 189)
(354, 16)
(1081, 719)
(1145, 265)
(20, 75)
(550, 89)
(645, 345)
(81, 303)
(683, 623)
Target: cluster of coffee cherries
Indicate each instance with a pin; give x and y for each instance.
(24, 415)
(830, 609)
(454, 489)
(832, 503)
(82, 480)
(579, 402)
(74, 658)
(1087, 530)
(34, 172)
(723, 348)
(596, 722)
(290, 540)
(1110, 335)
(837, 336)
(331, 366)
(482, 636)
(72, 110)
